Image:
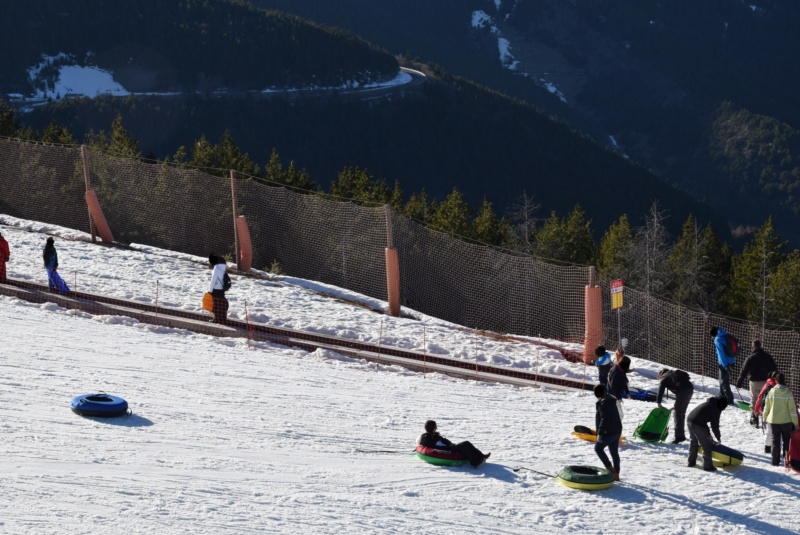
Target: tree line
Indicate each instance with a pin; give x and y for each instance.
(696, 269)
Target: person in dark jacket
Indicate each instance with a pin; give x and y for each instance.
(677, 382)
(432, 439)
(217, 289)
(618, 381)
(699, 419)
(5, 254)
(758, 366)
(609, 430)
(50, 257)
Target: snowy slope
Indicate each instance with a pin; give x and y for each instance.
(230, 439)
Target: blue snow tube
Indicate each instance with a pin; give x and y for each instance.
(102, 405)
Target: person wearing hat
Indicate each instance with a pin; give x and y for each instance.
(677, 382)
(5, 254)
(432, 439)
(50, 257)
(724, 362)
(218, 278)
(603, 362)
(699, 419)
(758, 366)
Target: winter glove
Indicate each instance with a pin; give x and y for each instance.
(739, 383)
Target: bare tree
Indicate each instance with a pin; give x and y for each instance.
(523, 219)
(649, 253)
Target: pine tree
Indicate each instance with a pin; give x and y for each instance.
(299, 179)
(202, 154)
(420, 208)
(9, 124)
(121, 143)
(358, 184)
(453, 215)
(487, 228)
(273, 170)
(396, 198)
(58, 134)
(569, 240)
(615, 250)
(751, 294)
(229, 157)
(786, 288)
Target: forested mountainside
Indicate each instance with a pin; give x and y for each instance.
(451, 133)
(648, 78)
(187, 45)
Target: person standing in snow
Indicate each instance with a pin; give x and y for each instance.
(218, 286)
(50, 257)
(609, 430)
(758, 366)
(618, 380)
(677, 382)
(5, 254)
(780, 412)
(432, 439)
(759, 408)
(724, 362)
(603, 362)
(699, 419)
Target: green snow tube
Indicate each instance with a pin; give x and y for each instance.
(586, 477)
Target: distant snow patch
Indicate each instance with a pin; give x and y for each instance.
(506, 58)
(71, 79)
(481, 20)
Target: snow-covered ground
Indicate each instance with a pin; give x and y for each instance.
(230, 438)
(90, 81)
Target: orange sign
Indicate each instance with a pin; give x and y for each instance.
(617, 290)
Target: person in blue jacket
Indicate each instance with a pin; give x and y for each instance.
(603, 362)
(724, 362)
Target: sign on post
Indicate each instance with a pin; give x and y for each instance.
(617, 289)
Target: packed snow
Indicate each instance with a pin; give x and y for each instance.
(231, 437)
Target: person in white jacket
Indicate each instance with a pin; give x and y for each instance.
(218, 286)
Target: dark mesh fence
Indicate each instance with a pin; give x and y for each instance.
(43, 183)
(478, 286)
(342, 244)
(315, 238)
(676, 336)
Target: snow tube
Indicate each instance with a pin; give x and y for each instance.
(723, 455)
(586, 477)
(102, 405)
(440, 457)
(793, 457)
(590, 435)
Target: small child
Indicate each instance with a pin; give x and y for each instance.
(603, 362)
